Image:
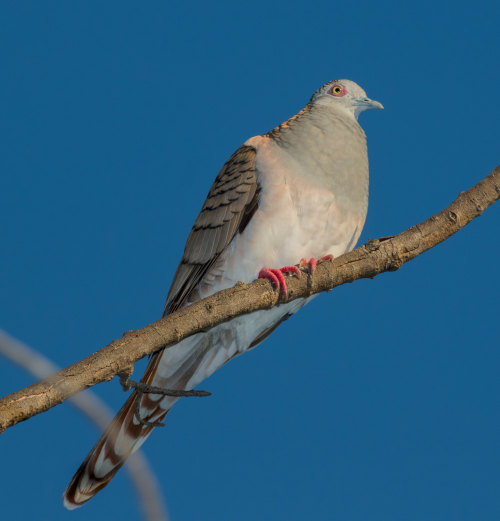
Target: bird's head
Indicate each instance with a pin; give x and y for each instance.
(346, 95)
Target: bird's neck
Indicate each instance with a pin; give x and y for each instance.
(318, 125)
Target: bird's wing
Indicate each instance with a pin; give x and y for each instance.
(229, 206)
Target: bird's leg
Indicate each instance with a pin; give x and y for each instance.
(141, 388)
(312, 263)
(277, 277)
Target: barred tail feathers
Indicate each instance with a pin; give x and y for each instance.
(123, 436)
(173, 368)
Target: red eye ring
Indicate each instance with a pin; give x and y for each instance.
(337, 90)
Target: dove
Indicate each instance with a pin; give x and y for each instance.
(298, 192)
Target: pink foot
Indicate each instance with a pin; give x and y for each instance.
(312, 263)
(277, 277)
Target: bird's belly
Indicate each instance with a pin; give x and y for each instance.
(291, 222)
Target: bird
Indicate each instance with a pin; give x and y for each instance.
(297, 192)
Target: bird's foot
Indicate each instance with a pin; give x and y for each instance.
(312, 263)
(277, 277)
(141, 388)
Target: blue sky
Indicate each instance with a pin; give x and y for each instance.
(379, 401)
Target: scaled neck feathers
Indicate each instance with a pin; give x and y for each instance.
(315, 122)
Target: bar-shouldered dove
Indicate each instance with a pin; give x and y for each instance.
(299, 191)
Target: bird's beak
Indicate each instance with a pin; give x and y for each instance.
(367, 103)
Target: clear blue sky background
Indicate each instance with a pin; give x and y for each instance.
(379, 401)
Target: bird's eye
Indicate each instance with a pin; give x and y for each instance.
(337, 90)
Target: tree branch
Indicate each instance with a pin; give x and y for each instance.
(367, 261)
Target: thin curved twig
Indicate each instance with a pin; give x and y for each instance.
(93, 408)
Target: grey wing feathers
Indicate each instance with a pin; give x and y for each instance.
(230, 204)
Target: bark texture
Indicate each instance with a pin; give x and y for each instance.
(375, 257)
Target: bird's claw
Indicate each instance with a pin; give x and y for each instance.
(277, 277)
(312, 263)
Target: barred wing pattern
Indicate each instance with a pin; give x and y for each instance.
(229, 206)
(231, 203)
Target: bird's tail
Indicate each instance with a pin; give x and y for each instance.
(125, 434)
(180, 367)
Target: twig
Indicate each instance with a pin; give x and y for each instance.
(142, 388)
(371, 259)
